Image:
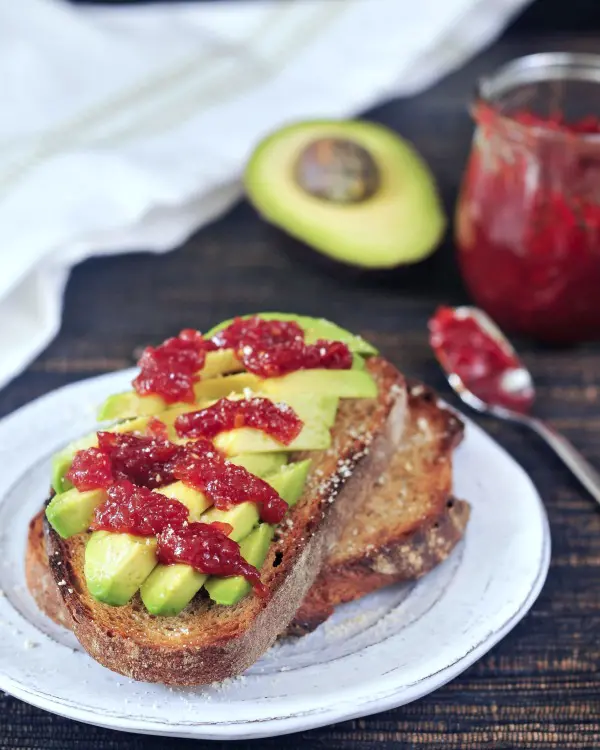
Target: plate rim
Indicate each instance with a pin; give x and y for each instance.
(298, 720)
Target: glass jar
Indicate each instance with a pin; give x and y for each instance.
(528, 216)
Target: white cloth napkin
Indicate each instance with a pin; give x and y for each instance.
(127, 128)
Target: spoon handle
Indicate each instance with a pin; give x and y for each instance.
(583, 470)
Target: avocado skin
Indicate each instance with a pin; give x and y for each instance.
(401, 224)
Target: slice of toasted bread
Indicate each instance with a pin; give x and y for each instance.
(409, 524)
(207, 642)
(425, 524)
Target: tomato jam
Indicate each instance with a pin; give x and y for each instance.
(207, 549)
(227, 484)
(277, 420)
(171, 369)
(528, 218)
(137, 510)
(270, 348)
(90, 470)
(464, 347)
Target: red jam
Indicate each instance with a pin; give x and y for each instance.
(137, 510)
(528, 224)
(145, 461)
(171, 369)
(463, 347)
(207, 549)
(227, 484)
(277, 420)
(90, 470)
(270, 348)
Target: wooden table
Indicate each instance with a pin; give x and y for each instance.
(540, 687)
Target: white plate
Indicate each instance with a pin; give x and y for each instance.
(391, 648)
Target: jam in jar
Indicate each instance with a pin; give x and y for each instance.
(528, 217)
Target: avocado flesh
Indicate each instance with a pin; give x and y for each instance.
(170, 588)
(72, 511)
(260, 464)
(195, 501)
(116, 565)
(130, 404)
(312, 437)
(254, 550)
(340, 383)
(289, 481)
(402, 223)
(61, 461)
(314, 330)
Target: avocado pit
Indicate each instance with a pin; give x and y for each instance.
(337, 170)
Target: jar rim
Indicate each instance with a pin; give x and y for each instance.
(537, 68)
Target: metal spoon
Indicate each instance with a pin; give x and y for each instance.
(517, 383)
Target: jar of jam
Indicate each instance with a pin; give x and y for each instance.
(528, 217)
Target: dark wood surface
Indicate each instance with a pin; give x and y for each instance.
(540, 687)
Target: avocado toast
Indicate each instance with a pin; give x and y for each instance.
(132, 543)
(408, 524)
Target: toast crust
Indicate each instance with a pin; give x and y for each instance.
(410, 525)
(207, 643)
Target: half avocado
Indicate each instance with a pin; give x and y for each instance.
(353, 190)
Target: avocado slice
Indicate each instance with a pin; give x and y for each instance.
(61, 461)
(254, 549)
(116, 565)
(170, 588)
(289, 481)
(353, 190)
(195, 501)
(314, 329)
(313, 437)
(71, 512)
(260, 464)
(130, 404)
(340, 383)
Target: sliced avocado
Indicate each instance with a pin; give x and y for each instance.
(341, 383)
(289, 481)
(61, 461)
(309, 407)
(260, 464)
(195, 501)
(130, 404)
(254, 549)
(314, 329)
(353, 190)
(358, 362)
(313, 437)
(243, 518)
(72, 511)
(170, 588)
(116, 565)
(220, 362)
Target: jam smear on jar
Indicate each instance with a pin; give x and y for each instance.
(206, 548)
(464, 347)
(277, 420)
(227, 484)
(271, 348)
(90, 470)
(171, 369)
(144, 460)
(137, 510)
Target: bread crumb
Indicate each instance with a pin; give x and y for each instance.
(27, 644)
(381, 480)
